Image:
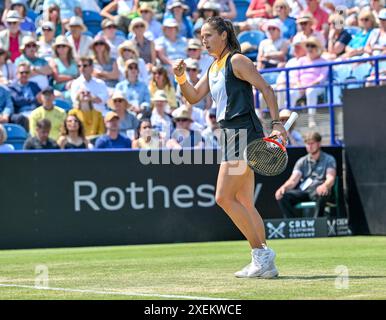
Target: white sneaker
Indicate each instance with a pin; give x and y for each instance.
(263, 264)
(243, 273)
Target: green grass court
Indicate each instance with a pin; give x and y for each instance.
(199, 270)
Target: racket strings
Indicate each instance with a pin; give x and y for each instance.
(266, 158)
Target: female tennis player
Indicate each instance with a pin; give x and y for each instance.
(229, 80)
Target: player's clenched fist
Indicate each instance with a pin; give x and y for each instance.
(179, 67)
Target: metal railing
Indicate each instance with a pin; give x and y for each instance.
(329, 84)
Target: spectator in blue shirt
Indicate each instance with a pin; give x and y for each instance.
(112, 139)
(356, 47)
(6, 105)
(24, 95)
(136, 92)
(178, 10)
(281, 10)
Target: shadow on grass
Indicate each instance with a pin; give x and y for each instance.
(325, 277)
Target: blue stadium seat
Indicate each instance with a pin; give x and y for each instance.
(93, 21)
(254, 37)
(241, 7)
(16, 135)
(64, 104)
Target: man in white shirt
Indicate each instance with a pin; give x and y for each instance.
(96, 86)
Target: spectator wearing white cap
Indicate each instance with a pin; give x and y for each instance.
(227, 8)
(125, 10)
(194, 51)
(68, 8)
(79, 42)
(40, 69)
(294, 137)
(161, 120)
(272, 51)
(170, 46)
(183, 136)
(178, 10)
(11, 38)
(46, 40)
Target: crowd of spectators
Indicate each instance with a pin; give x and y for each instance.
(118, 82)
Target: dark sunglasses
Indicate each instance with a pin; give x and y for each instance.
(133, 67)
(192, 49)
(303, 23)
(145, 11)
(12, 22)
(310, 46)
(31, 46)
(191, 69)
(47, 29)
(24, 72)
(182, 120)
(83, 65)
(111, 27)
(61, 46)
(118, 100)
(139, 26)
(99, 43)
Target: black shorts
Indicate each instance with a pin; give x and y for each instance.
(237, 133)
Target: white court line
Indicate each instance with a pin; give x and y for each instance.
(131, 294)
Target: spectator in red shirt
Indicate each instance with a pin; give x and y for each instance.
(257, 14)
(11, 38)
(321, 16)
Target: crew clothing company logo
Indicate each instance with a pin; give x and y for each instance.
(291, 229)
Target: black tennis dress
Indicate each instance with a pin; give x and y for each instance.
(235, 111)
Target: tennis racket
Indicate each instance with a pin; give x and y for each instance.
(267, 156)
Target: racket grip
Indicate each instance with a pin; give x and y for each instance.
(291, 120)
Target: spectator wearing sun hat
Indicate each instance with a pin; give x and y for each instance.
(21, 7)
(109, 32)
(154, 27)
(40, 69)
(128, 50)
(305, 23)
(272, 51)
(170, 46)
(79, 42)
(145, 46)
(12, 37)
(128, 122)
(179, 11)
(64, 66)
(112, 139)
(136, 91)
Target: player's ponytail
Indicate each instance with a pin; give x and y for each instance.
(220, 25)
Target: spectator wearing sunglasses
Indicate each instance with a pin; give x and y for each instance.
(40, 69)
(27, 24)
(154, 30)
(11, 38)
(128, 122)
(46, 40)
(97, 87)
(145, 46)
(24, 95)
(194, 51)
(136, 91)
(109, 33)
(281, 10)
(78, 40)
(161, 81)
(305, 23)
(179, 11)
